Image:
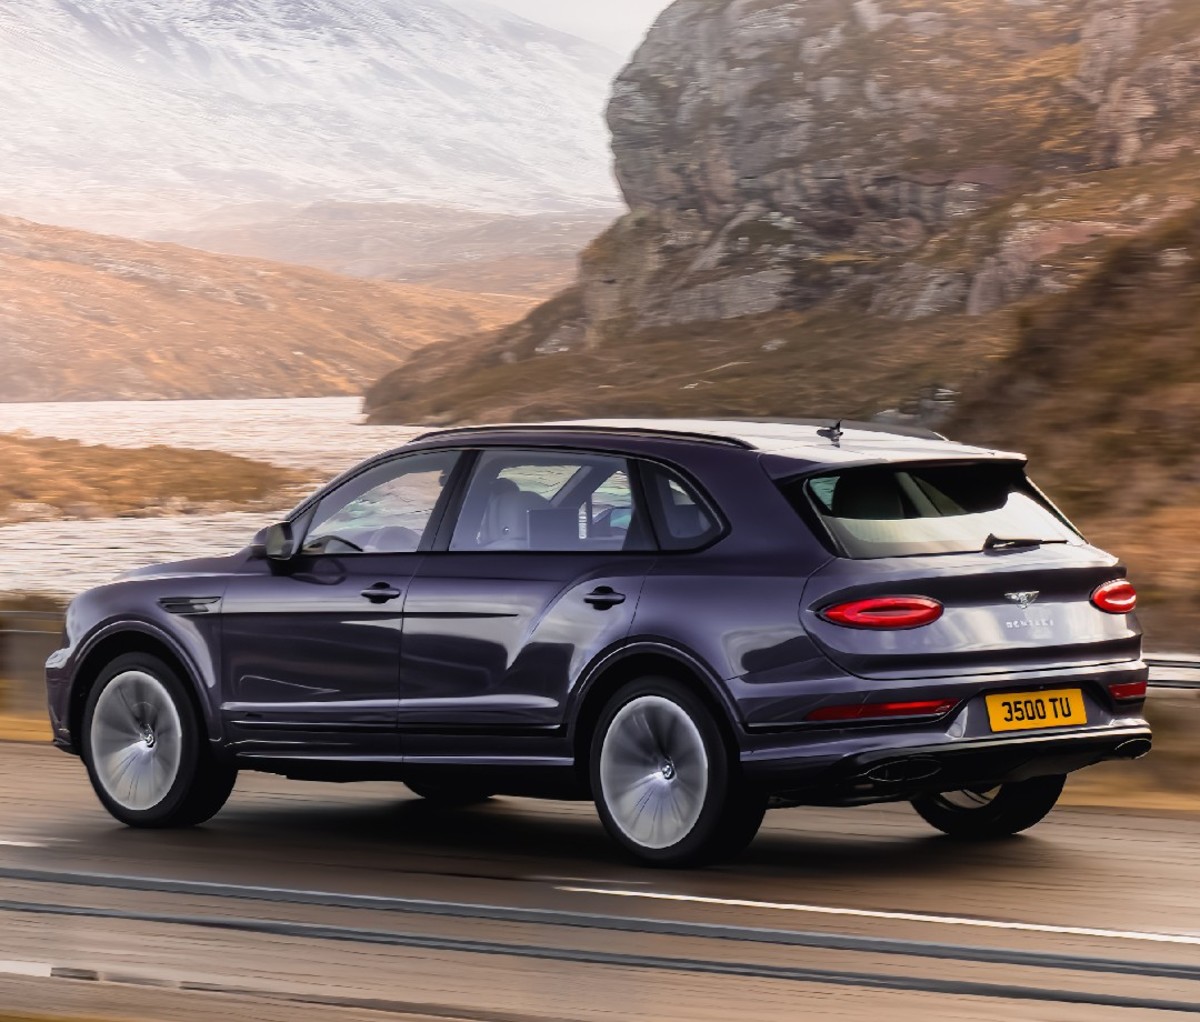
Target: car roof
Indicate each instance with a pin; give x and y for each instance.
(816, 441)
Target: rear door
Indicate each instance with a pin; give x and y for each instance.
(542, 570)
(1015, 580)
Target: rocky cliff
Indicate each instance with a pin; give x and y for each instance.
(837, 207)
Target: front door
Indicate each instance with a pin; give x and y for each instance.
(311, 648)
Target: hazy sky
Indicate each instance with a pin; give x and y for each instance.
(617, 24)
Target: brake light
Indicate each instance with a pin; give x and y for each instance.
(882, 711)
(885, 612)
(1128, 690)
(1115, 597)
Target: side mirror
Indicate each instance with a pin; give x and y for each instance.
(278, 542)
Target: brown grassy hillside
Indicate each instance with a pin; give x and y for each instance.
(87, 316)
(50, 478)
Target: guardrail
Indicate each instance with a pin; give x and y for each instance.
(1174, 672)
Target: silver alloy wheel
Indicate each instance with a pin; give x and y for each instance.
(968, 799)
(136, 740)
(654, 772)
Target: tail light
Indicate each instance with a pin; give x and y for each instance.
(885, 612)
(1115, 597)
(883, 711)
(1128, 690)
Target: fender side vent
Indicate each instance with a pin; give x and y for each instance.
(189, 605)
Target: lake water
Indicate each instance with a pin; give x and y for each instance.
(324, 435)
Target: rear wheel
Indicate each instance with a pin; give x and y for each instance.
(994, 812)
(145, 748)
(665, 781)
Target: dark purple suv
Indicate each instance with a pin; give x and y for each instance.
(688, 622)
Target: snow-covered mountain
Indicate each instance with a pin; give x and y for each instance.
(132, 115)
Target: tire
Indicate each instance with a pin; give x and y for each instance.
(146, 749)
(998, 813)
(658, 748)
(448, 795)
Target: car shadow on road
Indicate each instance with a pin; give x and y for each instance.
(515, 839)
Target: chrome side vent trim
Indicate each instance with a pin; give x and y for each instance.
(189, 606)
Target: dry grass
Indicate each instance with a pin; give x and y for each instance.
(86, 316)
(78, 480)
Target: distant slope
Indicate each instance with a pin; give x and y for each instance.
(126, 116)
(468, 250)
(86, 316)
(1102, 389)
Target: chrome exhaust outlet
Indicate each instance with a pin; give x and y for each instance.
(1135, 748)
(903, 771)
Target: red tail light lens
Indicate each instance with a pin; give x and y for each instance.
(885, 612)
(1128, 690)
(881, 711)
(1115, 597)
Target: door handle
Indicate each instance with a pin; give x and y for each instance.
(382, 592)
(604, 598)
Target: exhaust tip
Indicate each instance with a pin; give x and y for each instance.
(904, 771)
(1135, 748)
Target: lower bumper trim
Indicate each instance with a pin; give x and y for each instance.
(892, 775)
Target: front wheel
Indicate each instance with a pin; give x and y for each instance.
(994, 812)
(145, 748)
(665, 781)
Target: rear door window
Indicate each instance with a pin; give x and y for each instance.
(908, 510)
(550, 502)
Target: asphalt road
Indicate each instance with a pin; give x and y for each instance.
(303, 902)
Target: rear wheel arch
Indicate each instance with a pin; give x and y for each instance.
(120, 643)
(630, 664)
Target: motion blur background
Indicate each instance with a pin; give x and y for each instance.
(244, 245)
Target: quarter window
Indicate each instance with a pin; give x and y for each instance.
(682, 519)
(386, 510)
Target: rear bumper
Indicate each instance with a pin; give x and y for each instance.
(907, 769)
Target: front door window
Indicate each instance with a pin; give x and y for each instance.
(386, 510)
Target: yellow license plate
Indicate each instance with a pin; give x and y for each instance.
(1027, 711)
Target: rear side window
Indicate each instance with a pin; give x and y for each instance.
(550, 502)
(907, 510)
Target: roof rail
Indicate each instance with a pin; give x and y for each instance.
(918, 432)
(546, 427)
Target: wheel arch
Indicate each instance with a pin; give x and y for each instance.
(639, 660)
(122, 640)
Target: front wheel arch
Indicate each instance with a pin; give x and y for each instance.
(118, 644)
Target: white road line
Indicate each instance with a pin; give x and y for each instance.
(8, 843)
(38, 970)
(548, 879)
(908, 917)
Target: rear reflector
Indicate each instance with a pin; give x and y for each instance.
(884, 711)
(885, 612)
(1128, 690)
(1116, 597)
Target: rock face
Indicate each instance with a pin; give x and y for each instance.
(889, 164)
(761, 138)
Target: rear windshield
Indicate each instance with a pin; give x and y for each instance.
(906, 510)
